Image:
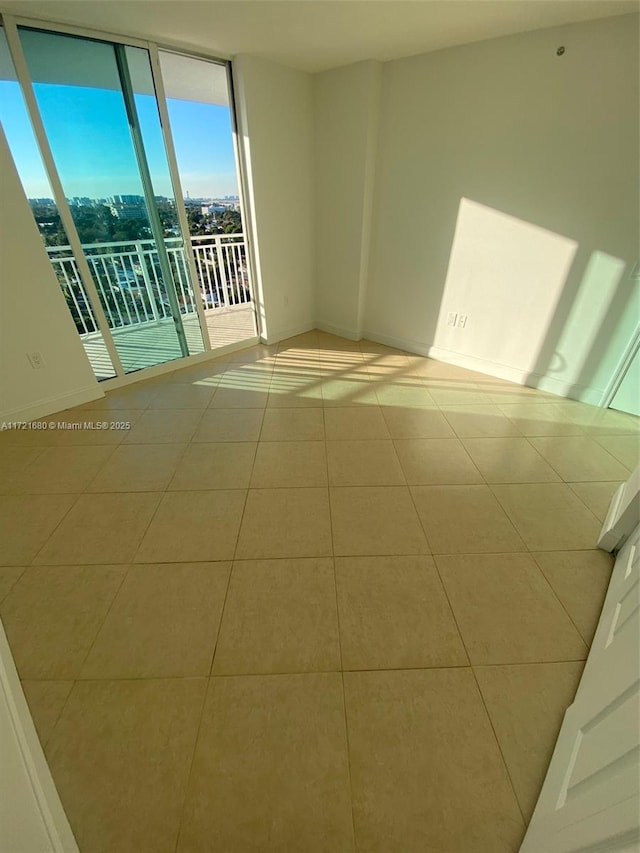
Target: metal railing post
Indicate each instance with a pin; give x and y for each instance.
(147, 280)
(221, 267)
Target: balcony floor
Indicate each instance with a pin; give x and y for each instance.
(155, 343)
(322, 597)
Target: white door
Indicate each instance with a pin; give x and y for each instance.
(590, 800)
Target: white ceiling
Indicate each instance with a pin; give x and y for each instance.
(184, 77)
(315, 35)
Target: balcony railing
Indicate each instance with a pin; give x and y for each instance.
(129, 281)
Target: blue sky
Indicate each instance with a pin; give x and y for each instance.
(91, 144)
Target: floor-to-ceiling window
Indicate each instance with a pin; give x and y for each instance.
(198, 97)
(18, 129)
(92, 137)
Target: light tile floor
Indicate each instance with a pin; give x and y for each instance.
(323, 596)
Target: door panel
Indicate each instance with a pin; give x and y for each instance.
(16, 124)
(198, 95)
(86, 99)
(590, 796)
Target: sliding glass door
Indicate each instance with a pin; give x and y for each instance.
(17, 127)
(149, 273)
(98, 113)
(198, 95)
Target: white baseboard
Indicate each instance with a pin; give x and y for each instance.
(573, 391)
(51, 405)
(480, 365)
(417, 347)
(31, 815)
(349, 334)
(562, 388)
(274, 337)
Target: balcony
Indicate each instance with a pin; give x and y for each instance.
(132, 292)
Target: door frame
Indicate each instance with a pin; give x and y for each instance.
(627, 356)
(620, 373)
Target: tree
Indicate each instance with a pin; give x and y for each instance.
(197, 221)
(49, 224)
(231, 222)
(127, 229)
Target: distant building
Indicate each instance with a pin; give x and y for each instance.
(128, 211)
(128, 207)
(135, 200)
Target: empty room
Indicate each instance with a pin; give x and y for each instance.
(319, 426)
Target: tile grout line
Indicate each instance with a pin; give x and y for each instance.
(148, 491)
(162, 492)
(71, 506)
(484, 705)
(55, 528)
(125, 574)
(14, 582)
(530, 549)
(191, 762)
(452, 611)
(491, 488)
(59, 714)
(422, 527)
(495, 735)
(560, 602)
(324, 671)
(213, 655)
(235, 551)
(549, 463)
(335, 587)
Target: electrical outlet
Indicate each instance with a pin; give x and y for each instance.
(36, 359)
(451, 318)
(462, 320)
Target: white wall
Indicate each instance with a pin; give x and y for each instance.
(33, 316)
(276, 140)
(32, 819)
(346, 124)
(545, 151)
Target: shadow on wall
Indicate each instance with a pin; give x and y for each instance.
(516, 302)
(585, 336)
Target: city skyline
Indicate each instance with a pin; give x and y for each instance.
(117, 197)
